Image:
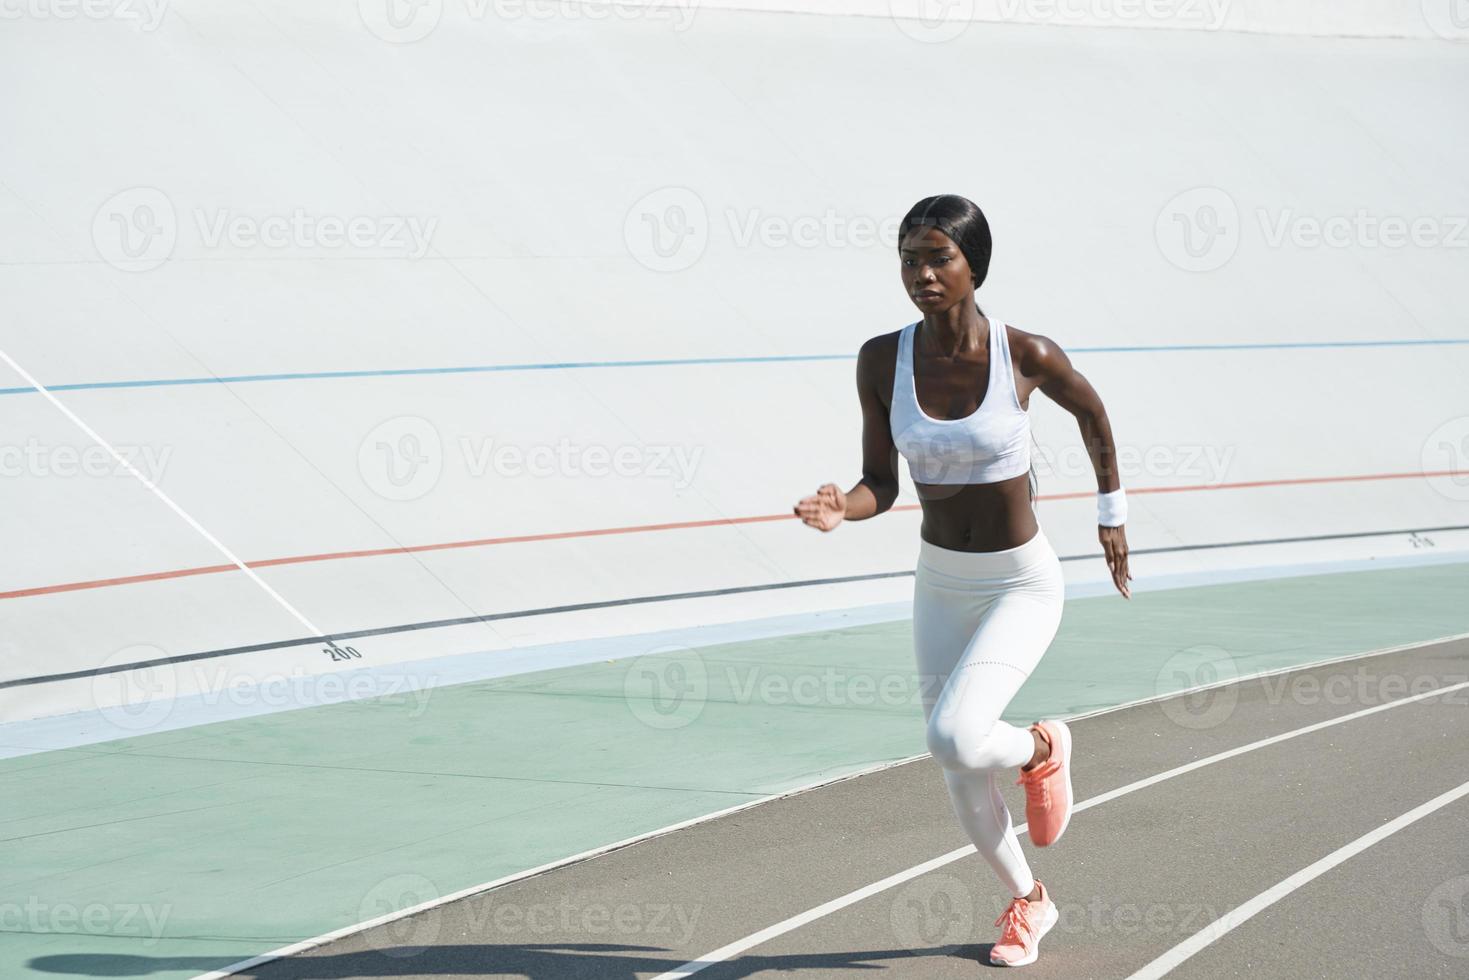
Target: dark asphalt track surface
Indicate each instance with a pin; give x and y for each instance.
(1133, 876)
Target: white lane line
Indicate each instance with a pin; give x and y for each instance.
(158, 493)
(836, 904)
(1264, 900)
(795, 922)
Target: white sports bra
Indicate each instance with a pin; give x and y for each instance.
(990, 445)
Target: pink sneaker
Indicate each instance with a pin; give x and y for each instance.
(1024, 923)
(1048, 787)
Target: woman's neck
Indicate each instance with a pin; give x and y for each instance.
(954, 331)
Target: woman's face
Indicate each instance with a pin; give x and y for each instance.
(935, 273)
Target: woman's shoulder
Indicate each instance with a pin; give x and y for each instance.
(883, 343)
(877, 360)
(1031, 351)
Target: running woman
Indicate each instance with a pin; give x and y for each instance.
(951, 393)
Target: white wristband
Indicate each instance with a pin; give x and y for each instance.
(1112, 508)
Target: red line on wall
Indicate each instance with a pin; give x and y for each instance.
(642, 528)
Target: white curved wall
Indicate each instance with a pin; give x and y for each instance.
(939, 20)
(535, 159)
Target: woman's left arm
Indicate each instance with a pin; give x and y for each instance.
(1043, 361)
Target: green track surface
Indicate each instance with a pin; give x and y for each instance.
(172, 854)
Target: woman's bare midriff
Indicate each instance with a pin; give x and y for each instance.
(978, 517)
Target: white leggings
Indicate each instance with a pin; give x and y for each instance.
(981, 621)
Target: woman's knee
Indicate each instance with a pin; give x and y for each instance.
(963, 747)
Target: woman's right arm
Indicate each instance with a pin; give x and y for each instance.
(878, 488)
